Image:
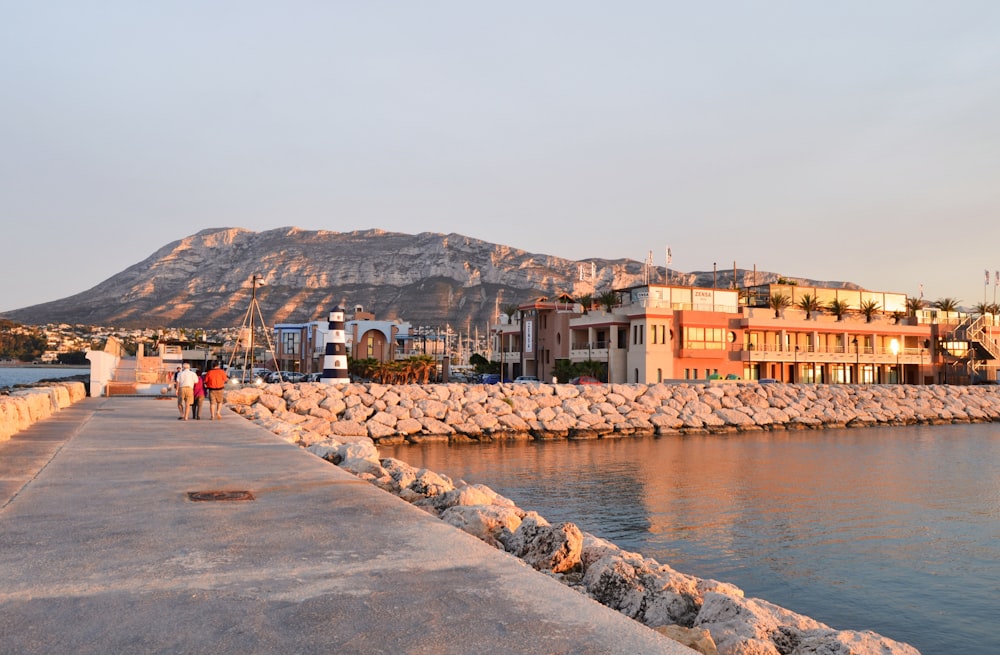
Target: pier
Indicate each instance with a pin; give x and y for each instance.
(125, 530)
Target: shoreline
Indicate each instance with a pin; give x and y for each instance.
(708, 615)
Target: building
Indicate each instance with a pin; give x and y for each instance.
(655, 333)
(301, 346)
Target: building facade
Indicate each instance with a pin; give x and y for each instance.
(656, 333)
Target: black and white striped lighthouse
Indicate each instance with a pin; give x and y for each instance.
(335, 356)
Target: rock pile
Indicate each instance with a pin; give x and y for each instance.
(343, 424)
(23, 407)
(306, 413)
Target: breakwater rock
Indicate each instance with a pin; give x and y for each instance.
(343, 424)
(23, 407)
(307, 413)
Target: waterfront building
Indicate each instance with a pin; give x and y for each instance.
(301, 346)
(656, 333)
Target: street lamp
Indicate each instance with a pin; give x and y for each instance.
(894, 347)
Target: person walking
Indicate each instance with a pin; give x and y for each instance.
(199, 397)
(180, 405)
(215, 381)
(186, 380)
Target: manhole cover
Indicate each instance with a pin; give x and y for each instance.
(220, 495)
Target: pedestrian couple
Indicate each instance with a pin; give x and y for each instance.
(191, 391)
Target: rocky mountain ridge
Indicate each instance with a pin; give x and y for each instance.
(207, 279)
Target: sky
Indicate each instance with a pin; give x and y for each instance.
(851, 140)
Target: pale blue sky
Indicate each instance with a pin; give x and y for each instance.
(834, 140)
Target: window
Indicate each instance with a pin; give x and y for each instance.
(702, 338)
(290, 341)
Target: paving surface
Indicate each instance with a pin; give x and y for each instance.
(103, 551)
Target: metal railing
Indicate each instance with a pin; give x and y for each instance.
(589, 345)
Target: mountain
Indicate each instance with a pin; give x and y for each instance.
(206, 280)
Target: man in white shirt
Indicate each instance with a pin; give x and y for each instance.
(186, 380)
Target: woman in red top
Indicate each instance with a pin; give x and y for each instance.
(199, 398)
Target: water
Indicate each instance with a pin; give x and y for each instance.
(895, 530)
(10, 376)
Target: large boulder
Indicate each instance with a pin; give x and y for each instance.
(546, 547)
(490, 523)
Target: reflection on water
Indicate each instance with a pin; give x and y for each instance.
(889, 529)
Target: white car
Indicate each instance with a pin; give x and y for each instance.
(526, 379)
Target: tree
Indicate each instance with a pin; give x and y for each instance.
(914, 305)
(587, 300)
(591, 367)
(482, 365)
(947, 304)
(75, 358)
(985, 308)
(778, 302)
(423, 366)
(608, 300)
(838, 308)
(564, 370)
(20, 342)
(509, 310)
(809, 304)
(869, 308)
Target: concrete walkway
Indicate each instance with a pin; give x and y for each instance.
(103, 551)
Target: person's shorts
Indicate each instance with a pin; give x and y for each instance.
(215, 395)
(186, 395)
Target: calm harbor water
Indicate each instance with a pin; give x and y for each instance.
(895, 530)
(25, 375)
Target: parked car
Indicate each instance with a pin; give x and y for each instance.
(314, 377)
(491, 378)
(526, 379)
(767, 381)
(585, 379)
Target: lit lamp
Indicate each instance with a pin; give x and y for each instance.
(894, 347)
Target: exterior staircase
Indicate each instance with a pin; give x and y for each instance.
(973, 331)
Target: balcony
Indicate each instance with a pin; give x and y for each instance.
(869, 355)
(595, 350)
(506, 356)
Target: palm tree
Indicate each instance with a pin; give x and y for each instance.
(608, 300)
(809, 304)
(838, 308)
(591, 367)
(509, 310)
(423, 366)
(947, 304)
(868, 308)
(984, 308)
(914, 305)
(778, 302)
(564, 370)
(587, 301)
